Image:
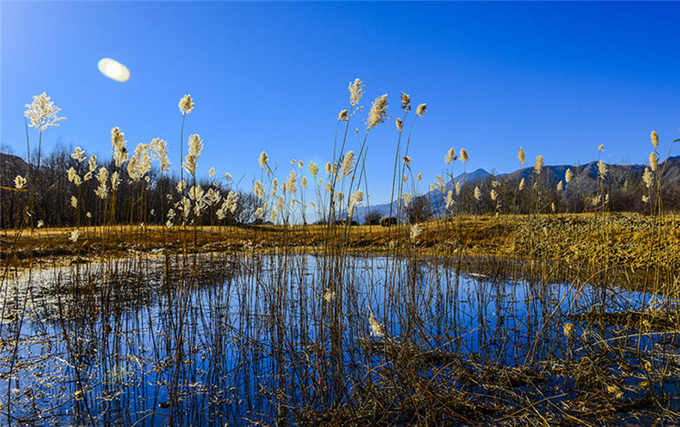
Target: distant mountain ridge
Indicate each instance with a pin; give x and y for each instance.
(384, 208)
(584, 175)
(13, 165)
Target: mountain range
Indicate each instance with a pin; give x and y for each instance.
(585, 176)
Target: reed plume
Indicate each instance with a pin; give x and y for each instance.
(19, 182)
(378, 113)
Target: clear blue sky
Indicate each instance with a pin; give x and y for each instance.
(556, 78)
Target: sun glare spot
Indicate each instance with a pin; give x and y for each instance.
(114, 69)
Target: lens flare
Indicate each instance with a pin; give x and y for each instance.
(114, 69)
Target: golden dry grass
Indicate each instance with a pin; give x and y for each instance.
(610, 240)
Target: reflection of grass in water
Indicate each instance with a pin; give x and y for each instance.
(457, 349)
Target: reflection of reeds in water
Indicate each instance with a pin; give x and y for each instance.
(260, 339)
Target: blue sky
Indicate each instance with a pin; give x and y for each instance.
(557, 79)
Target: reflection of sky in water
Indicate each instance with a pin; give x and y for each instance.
(120, 342)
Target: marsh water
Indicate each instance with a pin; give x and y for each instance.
(286, 339)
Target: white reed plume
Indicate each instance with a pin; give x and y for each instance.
(458, 188)
(655, 139)
(521, 156)
(647, 178)
(405, 102)
(440, 184)
(478, 194)
(231, 202)
(450, 156)
(213, 197)
(377, 328)
(560, 186)
(420, 111)
(339, 196)
(186, 104)
(92, 163)
(199, 198)
(120, 154)
(259, 213)
(493, 195)
(42, 112)
(74, 177)
(347, 164)
(41, 224)
(303, 182)
(88, 214)
(313, 169)
(407, 199)
(645, 199)
(568, 176)
(102, 191)
(195, 148)
(211, 172)
(521, 184)
(328, 295)
(258, 190)
(74, 202)
(229, 205)
(280, 204)
(275, 186)
(464, 157)
(357, 198)
(356, 91)
(420, 176)
(87, 176)
(19, 182)
(602, 169)
(415, 231)
(378, 113)
(115, 181)
(400, 125)
(449, 200)
(552, 207)
(159, 151)
(343, 116)
(300, 164)
(539, 164)
(263, 159)
(272, 215)
(140, 162)
(78, 155)
(196, 193)
(227, 176)
(600, 147)
(291, 182)
(74, 235)
(221, 212)
(653, 161)
(407, 160)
